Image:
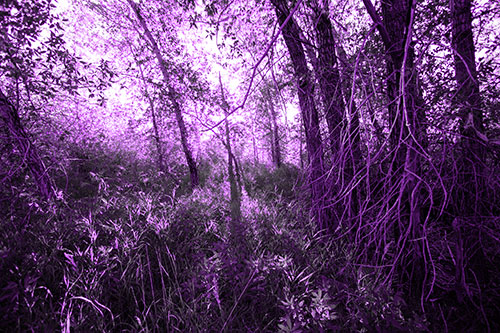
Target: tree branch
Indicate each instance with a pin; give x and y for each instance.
(254, 71)
(378, 22)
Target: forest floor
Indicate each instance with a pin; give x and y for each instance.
(125, 250)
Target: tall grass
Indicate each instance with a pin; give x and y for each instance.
(128, 254)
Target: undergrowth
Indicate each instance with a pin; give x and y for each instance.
(121, 250)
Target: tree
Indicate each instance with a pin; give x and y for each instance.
(266, 109)
(231, 160)
(335, 93)
(328, 76)
(275, 138)
(319, 192)
(470, 197)
(171, 93)
(352, 148)
(33, 71)
(404, 174)
(468, 100)
(156, 130)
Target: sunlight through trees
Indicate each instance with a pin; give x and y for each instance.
(249, 166)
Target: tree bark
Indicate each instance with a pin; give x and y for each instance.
(470, 195)
(468, 100)
(319, 192)
(406, 135)
(172, 95)
(254, 145)
(275, 139)
(328, 76)
(465, 65)
(235, 193)
(333, 81)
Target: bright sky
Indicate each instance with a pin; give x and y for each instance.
(204, 50)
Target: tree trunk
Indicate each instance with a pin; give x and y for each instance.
(470, 195)
(328, 76)
(468, 100)
(157, 139)
(234, 187)
(319, 192)
(406, 135)
(346, 79)
(159, 149)
(275, 140)
(254, 145)
(334, 86)
(402, 183)
(236, 227)
(172, 95)
(9, 116)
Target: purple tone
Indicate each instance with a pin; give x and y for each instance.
(262, 166)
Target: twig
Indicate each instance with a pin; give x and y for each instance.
(254, 71)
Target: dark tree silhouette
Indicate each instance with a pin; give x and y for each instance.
(467, 99)
(335, 93)
(404, 175)
(327, 72)
(156, 130)
(319, 192)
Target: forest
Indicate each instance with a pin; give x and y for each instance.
(249, 166)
